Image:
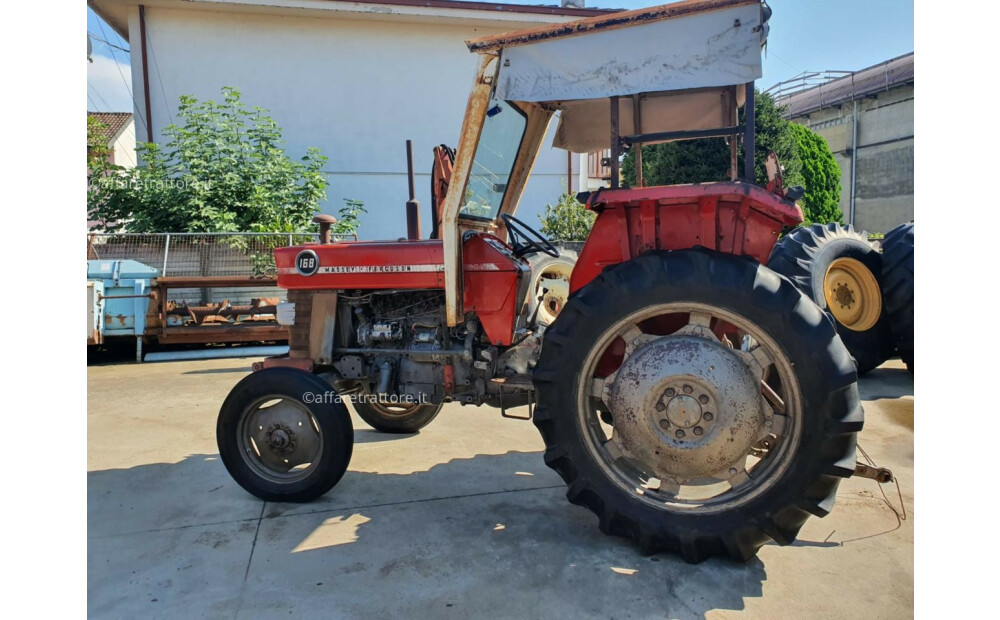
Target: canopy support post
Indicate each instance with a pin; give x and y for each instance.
(616, 144)
(748, 135)
(637, 122)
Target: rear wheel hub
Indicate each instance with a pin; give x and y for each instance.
(686, 406)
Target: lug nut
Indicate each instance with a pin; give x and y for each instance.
(708, 416)
(664, 424)
(703, 399)
(698, 430)
(659, 406)
(670, 392)
(680, 434)
(688, 389)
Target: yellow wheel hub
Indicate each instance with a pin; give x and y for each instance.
(852, 294)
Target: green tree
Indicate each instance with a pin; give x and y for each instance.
(700, 161)
(820, 175)
(804, 155)
(568, 220)
(99, 168)
(220, 168)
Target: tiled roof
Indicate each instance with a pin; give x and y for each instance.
(115, 121)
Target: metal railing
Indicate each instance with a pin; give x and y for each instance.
(242, 254)
(198, 254)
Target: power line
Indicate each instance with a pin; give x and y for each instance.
(119, 67)
(106, 42)
(106, 104)
(156, 67)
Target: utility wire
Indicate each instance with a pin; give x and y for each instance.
(106, 104)
(106, 42)
(152, 56)
(119, 67)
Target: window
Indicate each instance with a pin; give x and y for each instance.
(499, 143)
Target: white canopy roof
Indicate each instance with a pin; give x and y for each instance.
(718, 47)
(680, 66)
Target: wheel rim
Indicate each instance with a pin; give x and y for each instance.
(555, 279)
(852, 294)
(695, 425)
(279, 439)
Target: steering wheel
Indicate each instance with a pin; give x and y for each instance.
(525, 239)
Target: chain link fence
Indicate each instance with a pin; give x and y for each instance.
(247, 255)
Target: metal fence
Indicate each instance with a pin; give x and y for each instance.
(202, 254)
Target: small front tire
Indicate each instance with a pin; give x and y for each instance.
(282, 436)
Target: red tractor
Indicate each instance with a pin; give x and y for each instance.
(692, 398)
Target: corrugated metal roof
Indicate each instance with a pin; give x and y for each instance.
(601, 22)
(881, 77)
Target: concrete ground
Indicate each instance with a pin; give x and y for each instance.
(463, 520)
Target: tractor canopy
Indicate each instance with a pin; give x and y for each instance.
(670, 72)
(680, 62)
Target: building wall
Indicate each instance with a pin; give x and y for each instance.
(124, 146)
(355, 88)
(884, 190)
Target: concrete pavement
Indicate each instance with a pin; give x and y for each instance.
(462, 520)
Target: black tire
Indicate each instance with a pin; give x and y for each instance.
(331, 418)
(897, 278)
(831, 409)
(804, 256)
(394, 419)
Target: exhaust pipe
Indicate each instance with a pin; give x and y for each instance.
(412, 205)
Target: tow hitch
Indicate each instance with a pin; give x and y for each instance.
(881, 474)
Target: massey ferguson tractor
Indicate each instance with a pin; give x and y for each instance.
(692, 398)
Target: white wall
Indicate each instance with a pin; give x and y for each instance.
(124, 146)
(356, 89)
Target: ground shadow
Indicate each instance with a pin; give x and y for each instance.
(368, 435)
(466, 538)
(886, 382)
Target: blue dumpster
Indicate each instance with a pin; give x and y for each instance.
(118, 296)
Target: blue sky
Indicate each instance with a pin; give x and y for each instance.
(806, 35)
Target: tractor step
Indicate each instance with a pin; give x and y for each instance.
(519, 383)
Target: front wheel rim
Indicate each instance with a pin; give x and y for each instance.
(724, 336)
(280, 439)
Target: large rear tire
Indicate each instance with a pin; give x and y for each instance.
(839, 270)
(614, 356)
(282, 437)
(897, 276)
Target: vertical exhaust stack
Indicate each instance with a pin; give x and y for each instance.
(412, 205)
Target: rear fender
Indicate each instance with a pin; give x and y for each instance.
(732, 217)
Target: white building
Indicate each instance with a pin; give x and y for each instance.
(119, 134)
(355, 79)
